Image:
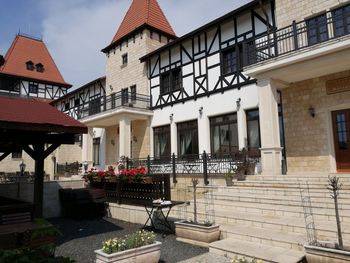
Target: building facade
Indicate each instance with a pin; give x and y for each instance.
(28, 71)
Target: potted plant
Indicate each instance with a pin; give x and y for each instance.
(194, 232)
(228, 178)
(327, 251)
(139, 247)
(240, 172)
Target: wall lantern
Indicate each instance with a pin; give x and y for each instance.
(312, 112)
(134, 139)
(171, 117)
(238, 103)
(200, 111)
(112, 142)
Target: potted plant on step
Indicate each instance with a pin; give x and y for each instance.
(193, 232)
(228, 178)
(139, 247)
(326, 251)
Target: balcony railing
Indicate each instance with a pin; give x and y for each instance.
(301, 35)
(111, 102)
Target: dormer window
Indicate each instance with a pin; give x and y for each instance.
(39, 67)
(30, 65)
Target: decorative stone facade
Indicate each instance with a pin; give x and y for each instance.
(287, 10)
(141, 133)
(309, 141)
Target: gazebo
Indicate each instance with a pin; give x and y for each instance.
(37, 128)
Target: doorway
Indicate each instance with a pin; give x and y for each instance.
(341, 131)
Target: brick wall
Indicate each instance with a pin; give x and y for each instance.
(307, 138)
(289, 10)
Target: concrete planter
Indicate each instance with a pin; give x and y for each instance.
(326, 255)
(145, 254)
(196, 234)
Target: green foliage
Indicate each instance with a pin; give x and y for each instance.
(135, 240)
(26, 255)
(244, 260)
(46, 229)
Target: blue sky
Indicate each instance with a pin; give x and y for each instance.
(76, 30)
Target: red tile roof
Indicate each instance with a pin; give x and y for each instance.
(140, 13)
(24, 49)
(20, 111)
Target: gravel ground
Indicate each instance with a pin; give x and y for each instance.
(81, 237)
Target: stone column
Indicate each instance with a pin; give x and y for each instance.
(87, 154)
(271, 151)
(173, 137)
(242, 128)
(124, 137)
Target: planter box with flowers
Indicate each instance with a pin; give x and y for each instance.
(140, 247)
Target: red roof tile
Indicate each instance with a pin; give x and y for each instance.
(24, 49)
(30, 111)
(143, 12)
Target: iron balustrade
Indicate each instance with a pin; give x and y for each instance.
(297, 36)
(114, 101)
(204, 164)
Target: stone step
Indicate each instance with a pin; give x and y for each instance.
(302, 178)
(281, 200)
(284, 184)
(230, 207)
(250, 250)
(264, 236)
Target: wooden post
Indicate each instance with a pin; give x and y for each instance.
(39, 180)
(205, 168)
(148, 165)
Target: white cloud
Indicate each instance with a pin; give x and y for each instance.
(76, 30)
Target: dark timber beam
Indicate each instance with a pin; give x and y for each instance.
(39, 150)
(4, 155)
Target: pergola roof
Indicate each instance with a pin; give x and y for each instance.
(35, 115)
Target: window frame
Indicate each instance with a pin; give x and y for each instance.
(125, 59)
(30, 65)
(316, 26)
(162, 130)
(343, 17)
(236, 49)
(219, 124)
(17, 155)
(34, 85)
(253, 119)
(173, 75)
(96, 145)
(133, 93)
(39, 68)
(189, 128)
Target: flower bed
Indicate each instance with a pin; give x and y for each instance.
(137, 175)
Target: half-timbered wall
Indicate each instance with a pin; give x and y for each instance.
(200, 58)
(120, 76)
(18, 87)
(72, 103)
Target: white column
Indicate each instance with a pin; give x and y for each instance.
(103, 149)
(203, 134)
(242, 128)
(271, 151)
(124, 137)
(151, 138)
(173, 137)
(87, 147)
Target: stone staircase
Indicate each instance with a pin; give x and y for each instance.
(263, 217)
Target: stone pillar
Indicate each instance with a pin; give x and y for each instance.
(87, 154)
(151, 138)
(271, 151)
(242, 128)
(204, 134)
(173, 137)
(124, 137)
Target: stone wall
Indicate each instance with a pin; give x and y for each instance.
(112, 142)
(51, 205)
(141, 132)
(309, 140)
(119, 76)
(69, 154)
(289, 10)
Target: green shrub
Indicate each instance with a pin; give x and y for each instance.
(26, 255)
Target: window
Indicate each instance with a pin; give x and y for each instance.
(76, 102)
(171, 81)
(133, 93)
(224, 134)
(39, 67)
(187, 133)
(94, 105)
(33, 87)
(17, 155)
(78, 139)
(125, 96)
(30, 65)
(253, 129)
(96, 151)
(162, 146)
(125, 59)
(66, 106)
(341, 21)
(232, 60)
(317, 30)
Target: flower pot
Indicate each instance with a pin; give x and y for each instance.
(229, 181)
(196, 234)
(316, 254)
(250, 169)
(148, 180)
(144, 254)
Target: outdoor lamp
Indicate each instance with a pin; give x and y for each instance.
(171, 117)
(238, 103)
(22, 167)
(85, 164)
(200, 111)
